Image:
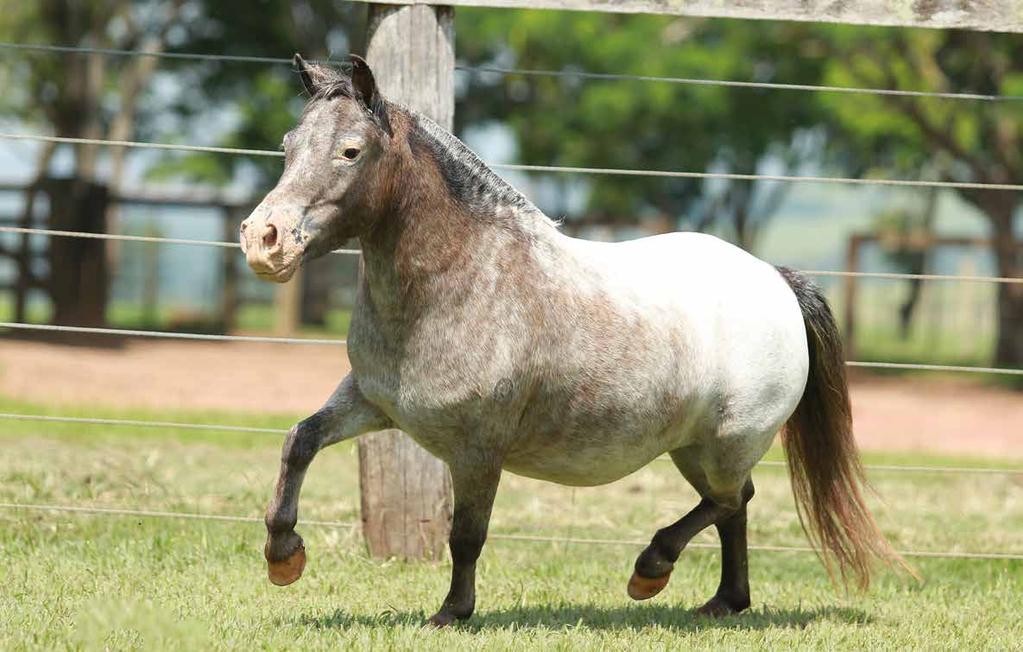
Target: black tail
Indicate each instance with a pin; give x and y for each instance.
(824, 463)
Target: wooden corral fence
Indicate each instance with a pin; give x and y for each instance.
(406, 506)
(853, 257)
(76, 280)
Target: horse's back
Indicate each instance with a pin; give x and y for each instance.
(743, 328)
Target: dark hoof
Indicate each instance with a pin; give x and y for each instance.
(644, 588)
(283, 573)
(440, 619)
(718, 607)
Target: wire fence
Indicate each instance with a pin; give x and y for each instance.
(499, 536)
(559, 169)
(215, 427)
(492, 70)
(234, 245)
(127, 332)
(504, 71)
(156, 239)
(124, 332)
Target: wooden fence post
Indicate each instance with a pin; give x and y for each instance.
(406, 492)
(287, 306)
(849, 287)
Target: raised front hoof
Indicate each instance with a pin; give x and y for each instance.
(718, 607)
(287, 571)
(644, 588)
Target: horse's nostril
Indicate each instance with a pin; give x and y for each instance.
(270, 237)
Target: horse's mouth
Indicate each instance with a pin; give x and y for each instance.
(282, 275)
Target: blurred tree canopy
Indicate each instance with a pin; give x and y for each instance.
(563, 120)
(960, 140)
(651, 125)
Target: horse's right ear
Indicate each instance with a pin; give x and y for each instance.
(366, 88)
(363, 80)
(313, 76)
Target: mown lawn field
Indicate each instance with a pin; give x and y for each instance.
(83, 581)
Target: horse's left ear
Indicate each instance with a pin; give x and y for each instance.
(313, 76)
(366, 87)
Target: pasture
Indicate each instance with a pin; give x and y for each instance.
(131, 582)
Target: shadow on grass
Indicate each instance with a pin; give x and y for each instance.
(631, 617)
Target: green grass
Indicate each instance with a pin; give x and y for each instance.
(255, 317)
(93, 582)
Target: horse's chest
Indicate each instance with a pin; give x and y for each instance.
(435, 400)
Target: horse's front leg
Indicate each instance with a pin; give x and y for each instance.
(475, 479)
(346, 414)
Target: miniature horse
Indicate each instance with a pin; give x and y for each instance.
(497, 342)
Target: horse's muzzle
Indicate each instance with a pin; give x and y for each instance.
(270, 253)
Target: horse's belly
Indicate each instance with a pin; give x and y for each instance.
(580, 470)
(593, 455)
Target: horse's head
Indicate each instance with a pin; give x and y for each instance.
(334, 179)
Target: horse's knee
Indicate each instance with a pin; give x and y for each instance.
(302, 443)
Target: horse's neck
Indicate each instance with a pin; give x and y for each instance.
(435, 253)
(453, 223)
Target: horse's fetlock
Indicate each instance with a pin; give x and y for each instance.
(279, 524)
(663, 545)
(460, 609)
(281, 545)
(652, 563)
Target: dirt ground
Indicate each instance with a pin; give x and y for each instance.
(937, 415)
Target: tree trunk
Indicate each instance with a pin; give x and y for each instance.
(919, 263)
(1000, 208)
(23, 283)
(78, 266)
(1009, 345)
(1009, 341)
(406, 492)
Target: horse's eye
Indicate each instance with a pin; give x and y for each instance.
(351, 153)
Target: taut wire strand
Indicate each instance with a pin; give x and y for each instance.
(145, 513)
(46, 418)
(572, 74)
(557, 169)
(309, 340)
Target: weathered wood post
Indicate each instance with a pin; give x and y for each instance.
(406, 492)
(287, 306)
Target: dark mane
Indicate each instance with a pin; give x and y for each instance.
(467, 178)
(337, 83)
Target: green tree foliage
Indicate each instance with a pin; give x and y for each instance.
(571, 121)
(965, 140)
(650, 125)
(263, 100)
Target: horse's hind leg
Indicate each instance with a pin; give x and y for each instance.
(732, 595)
(722, 504)
(346, 414)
